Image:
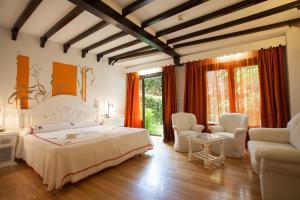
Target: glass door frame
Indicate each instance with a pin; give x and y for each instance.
(142, 78)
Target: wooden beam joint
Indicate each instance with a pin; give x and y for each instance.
(112, 61)
(83, 53)
(66, 47)
(43, 41)
(99, 56)
(14, 33)
(176, 61)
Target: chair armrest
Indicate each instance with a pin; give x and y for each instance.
(176, 128)
(280, 155)
(280, 161)
(199, 128)
(238, 131)
(216, 128)
(279, 135)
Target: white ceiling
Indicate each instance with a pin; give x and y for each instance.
(51, 11)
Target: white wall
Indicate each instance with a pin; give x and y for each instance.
(293, 61)
(109, 81)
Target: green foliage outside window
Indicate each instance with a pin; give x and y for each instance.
(153, 105)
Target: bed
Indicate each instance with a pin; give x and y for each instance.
(62, 143)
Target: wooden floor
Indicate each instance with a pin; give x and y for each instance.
(159, 174)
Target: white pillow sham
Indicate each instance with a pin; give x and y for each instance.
(51, 127)
(56, 127)
(84, 124)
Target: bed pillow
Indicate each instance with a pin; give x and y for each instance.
(51, 127)
(84, 124)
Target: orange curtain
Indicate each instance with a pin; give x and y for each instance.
(132, 112)
(64, 79)
(169, 100)
(274, 104)
(22, 82)
(196, 91)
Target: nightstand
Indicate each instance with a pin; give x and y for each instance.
(8, 140)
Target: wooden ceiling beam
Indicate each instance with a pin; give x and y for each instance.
(60, 24)
(84, 34)
(209, 16)
(135, 53)
(27, 12)
(117, 48)
(243, 20)
(111, 16)
(178, 9)
(102, 42)
(135, 6)
(292, 22)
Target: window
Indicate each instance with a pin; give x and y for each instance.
(245, 95)
(217, 98)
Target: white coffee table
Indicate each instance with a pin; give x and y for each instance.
(207, 140)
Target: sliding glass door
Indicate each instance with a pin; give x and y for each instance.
(151, 103)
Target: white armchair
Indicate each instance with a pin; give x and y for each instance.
(185, 124)
(275, 156)
(234, 127)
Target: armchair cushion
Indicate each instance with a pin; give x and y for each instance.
(279, 135)
(231, 121)
(198, 128)
(255, 146)
(230, 147)
(216, 128)
(226, 134)
(184, 120)
(182, 144)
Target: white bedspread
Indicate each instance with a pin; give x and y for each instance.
(59, 160)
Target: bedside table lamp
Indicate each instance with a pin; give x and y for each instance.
(1, 118)
(109, 105)
(96, 110)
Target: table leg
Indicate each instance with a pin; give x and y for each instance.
(206, 153)
(190, 149)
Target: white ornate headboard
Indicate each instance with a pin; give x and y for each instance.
(57, 109)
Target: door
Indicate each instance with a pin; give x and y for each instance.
(151, 103)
